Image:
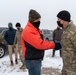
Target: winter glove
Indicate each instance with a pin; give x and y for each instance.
(57, 46)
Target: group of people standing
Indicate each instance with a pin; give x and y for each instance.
(13, 38)
(31, 44)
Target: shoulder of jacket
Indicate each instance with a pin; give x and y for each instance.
(71, 33)
(73, 29)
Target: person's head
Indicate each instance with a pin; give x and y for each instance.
(18, 26)
(10, 26)
(34, 18)
(64, 18)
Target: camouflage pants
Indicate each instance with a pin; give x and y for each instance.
(20, 54)
(67, 72)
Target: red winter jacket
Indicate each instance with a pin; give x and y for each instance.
(32, 36)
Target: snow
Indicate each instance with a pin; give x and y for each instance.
(48, 62)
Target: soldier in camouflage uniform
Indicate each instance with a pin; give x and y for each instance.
(68, 43)
(18, 42)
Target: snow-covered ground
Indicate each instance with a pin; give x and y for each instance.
(49, 63)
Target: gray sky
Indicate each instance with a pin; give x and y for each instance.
(17, 11)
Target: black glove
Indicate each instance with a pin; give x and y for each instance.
(57, 46)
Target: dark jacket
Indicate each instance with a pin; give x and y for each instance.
(9, 36)
(57, 33)
(33, 45)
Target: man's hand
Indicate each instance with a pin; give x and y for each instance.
(14, 46)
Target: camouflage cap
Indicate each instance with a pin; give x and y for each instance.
(33, 15)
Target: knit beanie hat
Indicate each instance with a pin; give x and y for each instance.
(18, 25)
(64, 15)
(10, 24)
(33, 15)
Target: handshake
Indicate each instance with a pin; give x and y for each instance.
(57, 45)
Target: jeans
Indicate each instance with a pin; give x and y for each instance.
(33, 66)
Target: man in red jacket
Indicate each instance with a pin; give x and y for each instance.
(33, 45)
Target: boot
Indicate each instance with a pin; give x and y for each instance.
(12, 63)
(23, 67)
(53, 53)
(16, 61)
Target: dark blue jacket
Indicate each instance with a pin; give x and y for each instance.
(9, 36)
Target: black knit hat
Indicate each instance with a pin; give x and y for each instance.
(33, 15)
(18, 25)
(64, 15)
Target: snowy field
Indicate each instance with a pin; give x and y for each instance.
(50, 65)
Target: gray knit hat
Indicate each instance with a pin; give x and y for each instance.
(10, 24)
(33, 15)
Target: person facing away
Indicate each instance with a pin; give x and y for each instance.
(33, 45)
(57, 33)
(68, 42)
(18, 42)
(9, 38)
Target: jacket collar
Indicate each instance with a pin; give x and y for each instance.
(31, 25)
(70, 23)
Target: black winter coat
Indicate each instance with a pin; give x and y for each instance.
(10, 36)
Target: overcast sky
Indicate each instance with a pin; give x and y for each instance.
(17, 11)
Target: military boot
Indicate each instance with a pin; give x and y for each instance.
(23, 67)
(12, 63)
(53, 54)
(16, 61)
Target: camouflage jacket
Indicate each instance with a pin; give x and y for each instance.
(18, 37)
(69, 47)
(1, 38)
